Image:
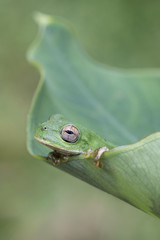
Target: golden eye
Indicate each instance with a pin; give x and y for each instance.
(70, 134)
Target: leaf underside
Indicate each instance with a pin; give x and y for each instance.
(121, 106)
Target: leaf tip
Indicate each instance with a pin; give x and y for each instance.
(43, 19)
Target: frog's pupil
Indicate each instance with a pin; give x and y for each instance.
(69, 132)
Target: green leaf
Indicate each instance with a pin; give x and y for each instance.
(122, 106)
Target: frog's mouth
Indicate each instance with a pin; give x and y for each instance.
(58, 149)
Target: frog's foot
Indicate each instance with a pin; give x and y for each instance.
(57, 158)
(96, 154)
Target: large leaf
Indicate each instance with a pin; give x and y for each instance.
(121, 106)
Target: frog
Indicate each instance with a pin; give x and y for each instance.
(68, 139)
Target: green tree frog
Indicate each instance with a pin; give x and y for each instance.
(68, 139)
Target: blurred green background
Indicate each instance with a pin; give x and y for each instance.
(36, 200)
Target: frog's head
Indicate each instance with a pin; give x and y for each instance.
(61, 135)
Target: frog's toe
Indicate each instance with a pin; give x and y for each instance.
(56, 161)
(98, 163)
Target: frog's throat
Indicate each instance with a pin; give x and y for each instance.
(58, 149)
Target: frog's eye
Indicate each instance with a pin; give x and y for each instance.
(45, 128)
(70, 134)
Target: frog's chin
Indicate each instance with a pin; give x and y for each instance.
(58, 149)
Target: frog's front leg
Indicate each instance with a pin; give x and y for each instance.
(96, 154)
(57, 158)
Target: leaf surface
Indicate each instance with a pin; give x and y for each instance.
(122, 106)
